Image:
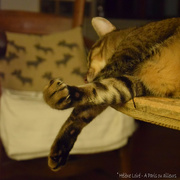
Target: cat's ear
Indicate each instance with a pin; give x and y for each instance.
(102, 26)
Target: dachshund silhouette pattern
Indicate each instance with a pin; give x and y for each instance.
(43, 48)
(71, 46)
(24, 80)
(65, 60)
(36, 62)
(17, 47)
(47, 75)
(8, 58)
(78, 72)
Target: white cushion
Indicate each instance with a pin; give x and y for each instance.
(29, 126)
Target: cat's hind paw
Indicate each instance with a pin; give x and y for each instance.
(57, 160)
(62, 146)
(56, 94)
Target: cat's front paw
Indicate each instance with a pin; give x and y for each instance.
(56, 94)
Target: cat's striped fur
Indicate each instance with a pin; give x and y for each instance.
(122, 64)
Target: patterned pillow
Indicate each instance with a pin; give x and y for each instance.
(32, 60)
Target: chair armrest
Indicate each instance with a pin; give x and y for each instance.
(3, 43)
(160, 111)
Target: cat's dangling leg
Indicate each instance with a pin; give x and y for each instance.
(64, 141)
(108, 91)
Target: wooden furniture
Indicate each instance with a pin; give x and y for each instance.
(39, 23)
(155, 150)
(77, 166)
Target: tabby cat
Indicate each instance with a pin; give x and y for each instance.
(139, 61)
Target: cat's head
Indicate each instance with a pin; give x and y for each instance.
(103, 49)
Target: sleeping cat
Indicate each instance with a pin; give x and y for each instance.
(122, 64)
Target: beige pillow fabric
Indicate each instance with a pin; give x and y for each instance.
(32, 60)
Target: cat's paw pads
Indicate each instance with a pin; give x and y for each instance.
(56, 94)
(57, 159)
